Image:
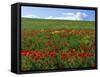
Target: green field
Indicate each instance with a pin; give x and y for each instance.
(57, 44)
(34, 24)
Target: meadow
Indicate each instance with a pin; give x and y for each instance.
(57, 44)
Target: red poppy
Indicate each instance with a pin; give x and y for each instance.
(24, 53)
(84, 55)
(52, 54)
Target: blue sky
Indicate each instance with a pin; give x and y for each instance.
(57, 13)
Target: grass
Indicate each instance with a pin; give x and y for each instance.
(57, 44)
(34, 24)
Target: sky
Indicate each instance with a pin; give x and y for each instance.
(57, 13)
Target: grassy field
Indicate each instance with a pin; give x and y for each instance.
(37, 24)
(57, 44)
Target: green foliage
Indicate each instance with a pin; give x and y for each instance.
(87, 40)
(25, 63)
(74, 41)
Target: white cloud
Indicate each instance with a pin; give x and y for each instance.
(80, 16)
(70, 16)
(30, 16)
(49, 17)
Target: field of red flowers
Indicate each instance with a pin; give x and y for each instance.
(57, 52)
(59, 48)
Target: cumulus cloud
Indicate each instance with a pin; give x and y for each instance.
(30, 16)
(70, 16)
